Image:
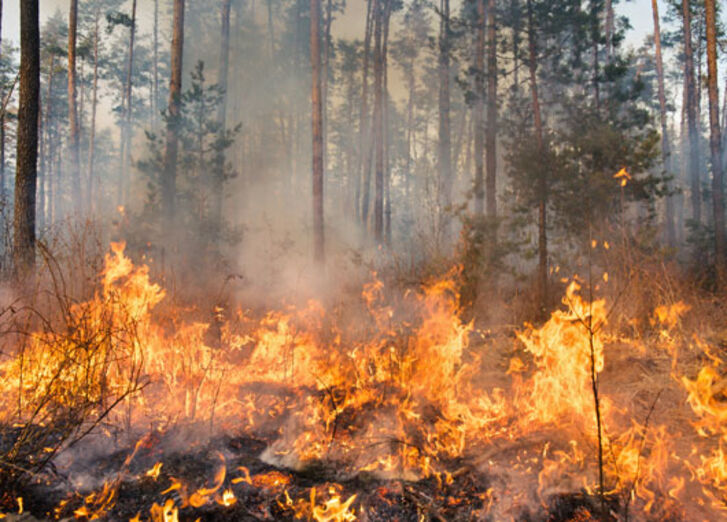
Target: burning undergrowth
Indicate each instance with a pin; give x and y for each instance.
(125, 408)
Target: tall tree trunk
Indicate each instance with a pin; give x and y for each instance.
(595, 35)
(124, 174)
(271, 30)
(317, 128)
(385, 124)
(691, 107)
(445, 139)
(222, 113)
(27, 140)
(411, 80)
(516, 45)
(91, 189)
(49, 145)
(378, 131)
(155, 67)
(491, 140)
(169, 180)
(324, 79)
(380, 35)
(665, 146)
(479, 182)
(364, 126)
(715, 142)
(77, 200)
(609, 30)
(542, 283)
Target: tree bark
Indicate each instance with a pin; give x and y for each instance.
(715, 142)
(691, 108)
(124, 174)
(73, 108)
(364, 182)
(491, 139)
(222, 111)
(324, 79)
(385, 124)
(445, 139)
(155, 67)
(169, 181)
(378, 122)
(91, 191)
(317, 128)
(479, 182)
(665, 146)
(542, 283)
(27, 140)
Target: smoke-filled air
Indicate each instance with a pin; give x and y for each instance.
(373, 260)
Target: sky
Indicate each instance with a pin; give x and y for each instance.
(638, 11)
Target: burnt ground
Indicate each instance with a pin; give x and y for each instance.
(272, 493)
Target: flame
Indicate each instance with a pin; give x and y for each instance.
(228, 498)
(402, 394)
(154, 471)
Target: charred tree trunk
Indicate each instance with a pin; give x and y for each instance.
(715, 142)
(378, 132)
(77, 200)
(491, 140)
(169, 181)
(27, 140)
(94, 104)
(665, 147)
(445, 139)
(691, 108)
(542, 282)
(479, 182)
(317, 127)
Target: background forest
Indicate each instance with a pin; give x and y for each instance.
(490, 133)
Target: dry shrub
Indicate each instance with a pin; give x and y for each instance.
(56, 356)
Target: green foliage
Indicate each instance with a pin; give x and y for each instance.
(202, 171)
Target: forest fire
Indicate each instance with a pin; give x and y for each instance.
(407, 411)
(404, 260)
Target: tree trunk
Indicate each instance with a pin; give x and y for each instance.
(491, 139)
(445, 146)
(222, 114)
(324, 79)
(27, 140)
(317, 128)
(124, 181)
(169, 180)
(77, 200)
(364, 127)
(91, 190)
(665, 147)
(380, 33)
(542, 283)
(479, 182)
(271, 30)
(385, 124)
(715, 142)
(155, 67)
(49, 146)
(609, 30)
(691, 107)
